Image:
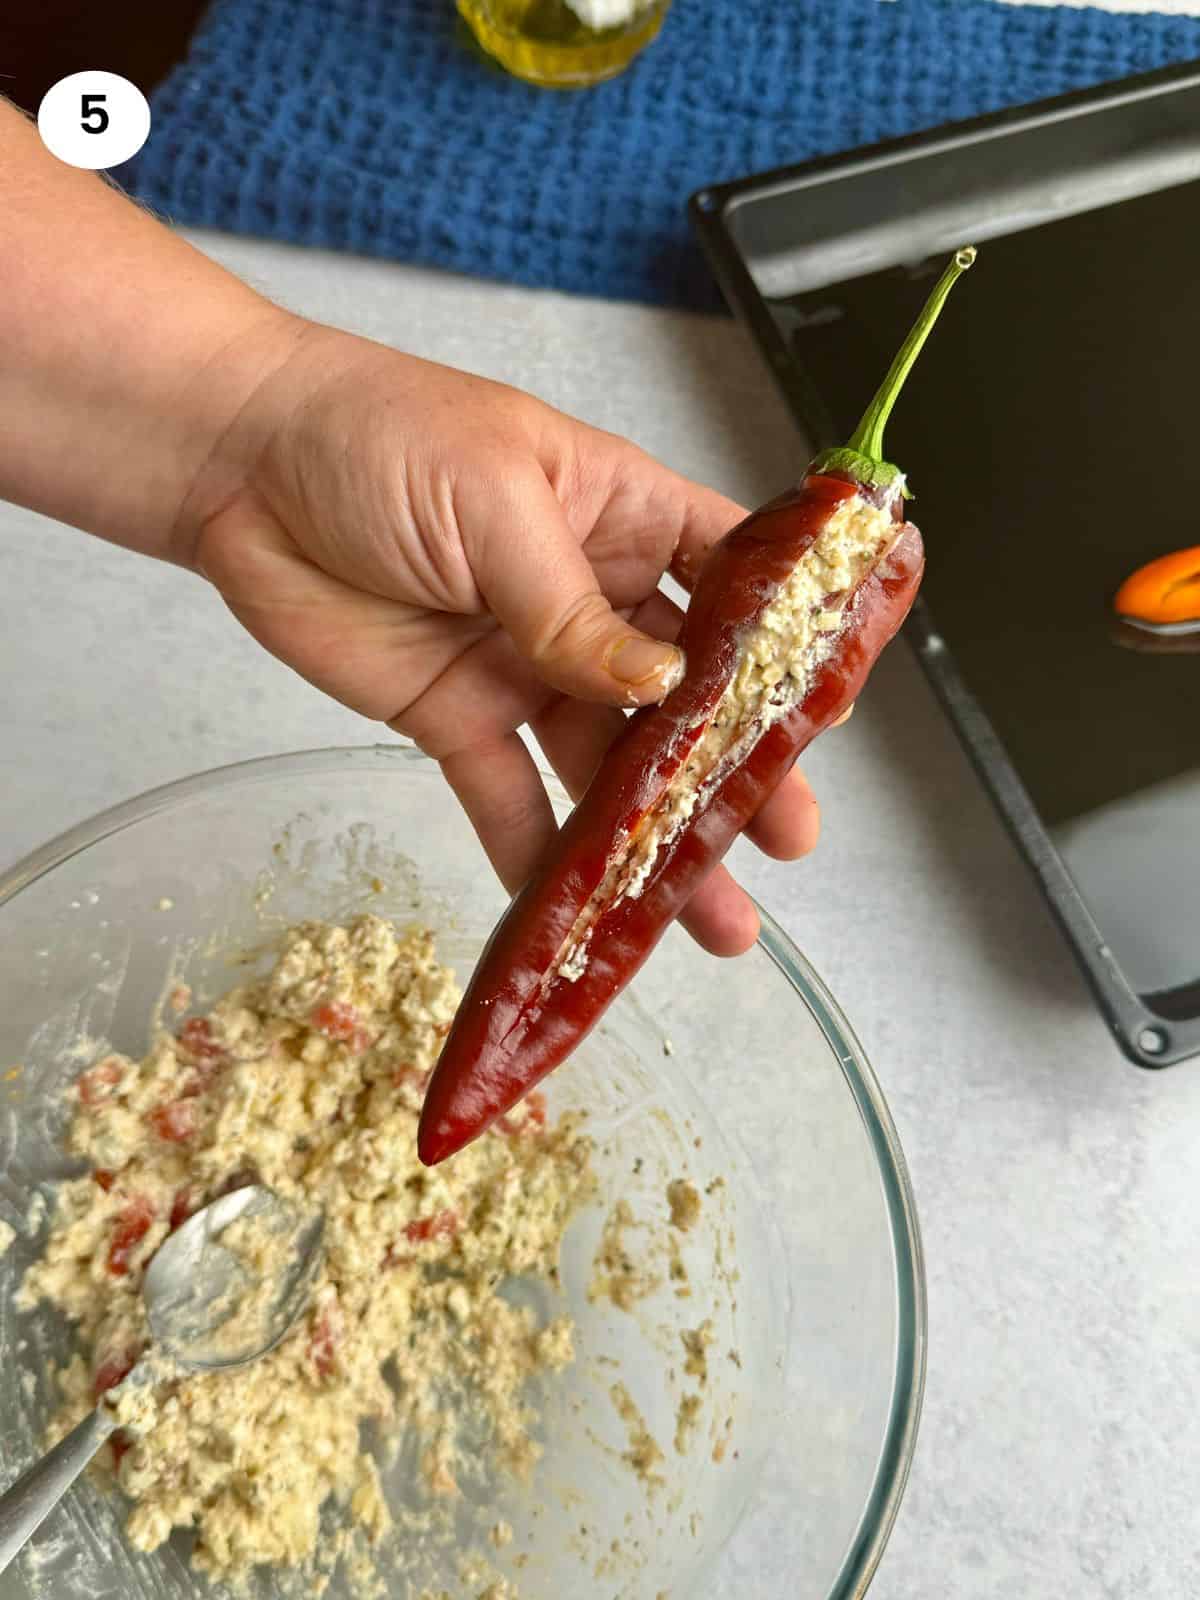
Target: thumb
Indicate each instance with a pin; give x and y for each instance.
(540, 587)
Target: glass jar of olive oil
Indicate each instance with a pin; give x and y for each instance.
(564, 44)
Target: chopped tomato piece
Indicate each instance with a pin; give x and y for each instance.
(131, 1227)
(196, 1038)
(336, 1020)
(339, 1021)
(105, 1178)
(181, 1208)
(120, 1444)
(176, 1121)
(98, 1082)
(113, 1369)
(326, 1336)
(204, 1053)
(442, 1225)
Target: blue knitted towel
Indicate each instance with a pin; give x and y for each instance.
(367, 125)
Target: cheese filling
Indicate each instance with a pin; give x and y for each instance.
(310, 1080)
(776, 664)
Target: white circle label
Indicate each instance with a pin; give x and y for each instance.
(94, 119)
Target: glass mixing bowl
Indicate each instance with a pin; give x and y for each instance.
(806, 1258)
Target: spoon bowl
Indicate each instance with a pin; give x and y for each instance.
(221, 1291)
(228, 1284)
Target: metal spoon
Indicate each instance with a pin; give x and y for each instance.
(197, 1293)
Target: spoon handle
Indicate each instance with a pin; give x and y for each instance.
(26, 1504)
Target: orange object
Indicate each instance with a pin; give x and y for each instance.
(1163, 592)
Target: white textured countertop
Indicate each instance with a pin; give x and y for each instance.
(1056, 1184)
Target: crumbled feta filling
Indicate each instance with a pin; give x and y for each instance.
(574, 963)
(310, 1080)
(778, 658)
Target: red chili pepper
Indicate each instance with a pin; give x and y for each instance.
(786, 621)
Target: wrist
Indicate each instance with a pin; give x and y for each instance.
(234, 420)
(277, 424)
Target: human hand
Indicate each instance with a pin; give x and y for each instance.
(457, 559)
(439, 552)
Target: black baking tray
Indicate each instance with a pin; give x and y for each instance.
(774, 237)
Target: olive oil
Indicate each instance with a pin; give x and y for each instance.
(549, 43)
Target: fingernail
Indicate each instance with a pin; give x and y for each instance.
(638, 661)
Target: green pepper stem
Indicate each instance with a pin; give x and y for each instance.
(867, 439)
